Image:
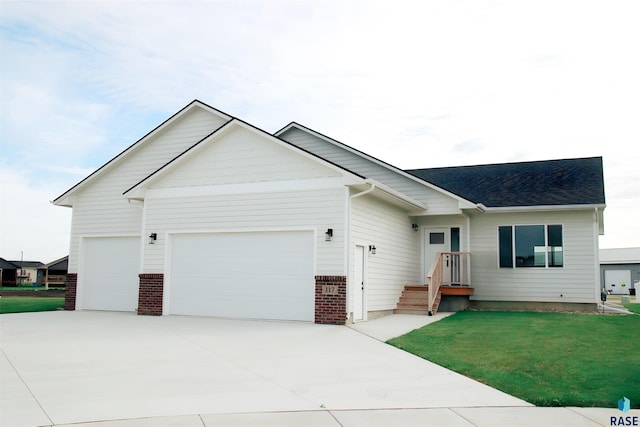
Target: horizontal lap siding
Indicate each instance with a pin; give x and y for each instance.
(242, 156)
(313, 210)
(396, 261)
(101, 208)
(438, 203)
(575, 282)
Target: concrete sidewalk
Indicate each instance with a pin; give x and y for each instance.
(118, 369)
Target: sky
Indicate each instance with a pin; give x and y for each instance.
(417, 84)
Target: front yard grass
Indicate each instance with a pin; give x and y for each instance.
(632, 306)
(23, 305)
(548, 359)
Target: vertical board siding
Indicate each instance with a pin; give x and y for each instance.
(575, 282)
(309, 210)
(438, 203)
(100, 208)
(396, 262)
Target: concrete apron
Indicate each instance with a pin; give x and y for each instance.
(80, 367)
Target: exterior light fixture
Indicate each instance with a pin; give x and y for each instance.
(415, 227)
(328, 235)
(372, 249)
(152, 238)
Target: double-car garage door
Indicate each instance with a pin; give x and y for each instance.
(260, 275)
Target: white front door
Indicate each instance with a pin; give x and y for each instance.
(358, 284)
(435, 240)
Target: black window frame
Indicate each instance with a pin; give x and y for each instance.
(510, 256)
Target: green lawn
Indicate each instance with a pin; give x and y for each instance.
(22, 305)
(548, 359)
(634, 307)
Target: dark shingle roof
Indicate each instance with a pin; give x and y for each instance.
(543, 183)
(7, 265)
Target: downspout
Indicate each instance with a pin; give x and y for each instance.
(347, 240)
(596, 253)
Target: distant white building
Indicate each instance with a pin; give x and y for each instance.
(620, 270)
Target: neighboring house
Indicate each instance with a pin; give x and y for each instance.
(620, 270)
(28, 272)
(209, 215)
(8, 272)
(55, 272)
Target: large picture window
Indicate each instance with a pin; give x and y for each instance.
(530, 246)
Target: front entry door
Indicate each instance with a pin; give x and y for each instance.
(358, 284)
(435, 240)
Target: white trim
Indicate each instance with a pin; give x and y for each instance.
(540, 208)
(245, 188)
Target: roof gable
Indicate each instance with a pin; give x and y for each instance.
(65, 198)
(542, 183)
(224, 141)
(374, 168)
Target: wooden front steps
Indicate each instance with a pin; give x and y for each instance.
(414, 298)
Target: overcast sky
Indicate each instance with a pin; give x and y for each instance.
(415, 83)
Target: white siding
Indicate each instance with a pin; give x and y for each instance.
(242, 156)
(100, 208)
(396, 261)
(575, 282)
(437, 202)
(308, 210)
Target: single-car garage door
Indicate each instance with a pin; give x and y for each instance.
(108, 276)
(260, 275)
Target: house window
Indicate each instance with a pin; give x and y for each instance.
(436, 238)
(530, 246)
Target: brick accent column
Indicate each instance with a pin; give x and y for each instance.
(70, 292)
(331, 300)
(150, 294)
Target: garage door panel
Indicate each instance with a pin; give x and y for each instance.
(254, 275)
(109, 276)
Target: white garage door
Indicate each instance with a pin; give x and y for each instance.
(108, 279)
(260, 275)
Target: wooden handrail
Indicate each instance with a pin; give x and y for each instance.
(458, 268)
(434, 280)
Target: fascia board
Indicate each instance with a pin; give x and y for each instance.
(462, 201)
(403, 199)
(66, 201)
(541, 208)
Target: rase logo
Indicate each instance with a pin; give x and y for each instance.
(624, 405)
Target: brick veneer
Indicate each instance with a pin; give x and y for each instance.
(331, 309)
(150, 294)
(70, 292)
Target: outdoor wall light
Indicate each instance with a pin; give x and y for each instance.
(152, 238)
(372, 249)
(415, 227)
(328, 235)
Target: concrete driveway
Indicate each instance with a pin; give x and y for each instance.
(76, 367)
